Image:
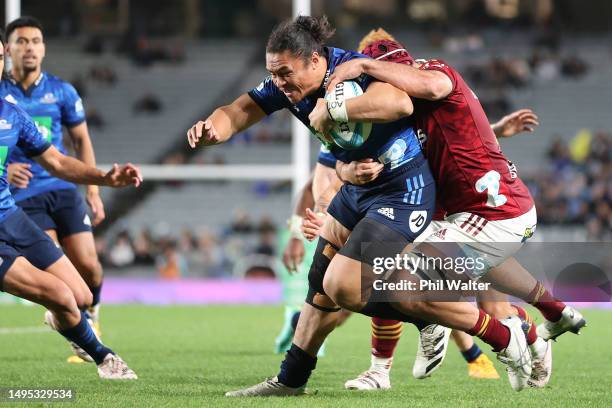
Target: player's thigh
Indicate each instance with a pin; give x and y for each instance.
(24, 280)
(69, 212)
(334, 232)
(67, 273)
(343, 216)
(342, 282)
(495, 303)
(80, 248)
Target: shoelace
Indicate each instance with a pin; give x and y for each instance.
(428, 344)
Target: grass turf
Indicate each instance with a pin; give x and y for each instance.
(189, 356)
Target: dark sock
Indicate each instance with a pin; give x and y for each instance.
(384, 310)
(95, 291)
(294, 320)
(472, 354)
(84, 337)
(296, 368)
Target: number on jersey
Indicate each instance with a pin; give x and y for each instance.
(490, 183)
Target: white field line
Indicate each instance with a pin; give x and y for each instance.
(24, 330)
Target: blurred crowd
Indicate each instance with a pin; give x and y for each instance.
(577, 187)
(245, 247)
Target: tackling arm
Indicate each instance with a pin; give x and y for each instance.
(381, 102)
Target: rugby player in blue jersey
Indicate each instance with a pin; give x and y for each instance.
(300, 65)
(55, 205)
(31, 265)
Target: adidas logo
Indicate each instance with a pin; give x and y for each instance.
(387, 212)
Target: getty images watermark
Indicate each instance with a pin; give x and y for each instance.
(426, 265)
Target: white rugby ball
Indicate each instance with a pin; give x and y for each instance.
(348, 135)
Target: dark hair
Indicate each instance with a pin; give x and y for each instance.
(2, 36)
(25, 21)
(301, 37)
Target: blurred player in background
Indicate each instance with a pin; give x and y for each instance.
(32, 266)
(55, 205)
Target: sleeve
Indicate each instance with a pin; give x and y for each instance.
(439, 65)
(71, 106)
(269, 98)
(326, 158)
(30, 140)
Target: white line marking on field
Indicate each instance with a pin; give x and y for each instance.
(22, 330)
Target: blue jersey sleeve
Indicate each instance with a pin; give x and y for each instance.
(269, 98)
(30, 140)
(326, 158)
(71, 106)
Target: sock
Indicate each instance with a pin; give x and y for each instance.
(531, 331)
(84, 337)
(296, 368)
(384, 310)
(542, 300)
(385, 336)
(95, 291)
(294, 320)
(472, 353)
(491, 331)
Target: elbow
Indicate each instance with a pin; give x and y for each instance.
(403, 105)
(436, 91)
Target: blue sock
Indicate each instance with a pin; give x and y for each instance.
(296, 368)
(294, 320)
(84, 337)
(472, 354)
(95, 291)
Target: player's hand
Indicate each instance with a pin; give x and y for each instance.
(524, 120)
(203, 133)
(319, 118)
(122, 176)
(345, 71)
(293, 255)
(19, 174)
(97, 207)
(312, 224)
(360, 172)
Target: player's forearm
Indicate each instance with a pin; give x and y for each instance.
(378, 107)
(305, 200)
(222, 119)
(325, 198)
(84, 151)
(325, 185)
(71, 169)
(415, 82)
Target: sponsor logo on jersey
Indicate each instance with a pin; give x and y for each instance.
(441, 234)
(10, 98)
(43, 124)
(4, 125)
(49, 98)
(78, 106)
(387, 212)
(417, 220)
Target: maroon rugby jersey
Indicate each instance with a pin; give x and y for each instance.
(471, 172)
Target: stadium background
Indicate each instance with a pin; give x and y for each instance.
(148, 69)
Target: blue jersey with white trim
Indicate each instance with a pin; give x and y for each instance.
(52, 103)
(17, 131)
(393, 144)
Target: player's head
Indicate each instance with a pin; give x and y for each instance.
(25, 43)
(295, 55)
(381, 45)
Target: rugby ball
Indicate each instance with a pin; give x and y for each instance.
(348, 135)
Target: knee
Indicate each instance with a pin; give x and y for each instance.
(343, 294)
(90, 269)
(84, 298)
(59, 296)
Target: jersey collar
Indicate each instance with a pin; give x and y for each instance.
(28, 92)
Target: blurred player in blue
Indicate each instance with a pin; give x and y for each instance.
(53, 204)
(31, 265)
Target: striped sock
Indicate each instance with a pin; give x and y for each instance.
(491, 331)
(542, 300)
(385, 336)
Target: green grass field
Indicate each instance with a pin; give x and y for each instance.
(189, 356)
